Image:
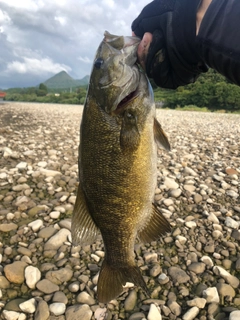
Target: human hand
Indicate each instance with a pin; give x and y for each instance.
(167, 51)
(143, 48)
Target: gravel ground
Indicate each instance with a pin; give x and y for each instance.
(192, 273)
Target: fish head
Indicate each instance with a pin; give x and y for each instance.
(115, 74)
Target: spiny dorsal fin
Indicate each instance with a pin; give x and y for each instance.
(156, 227)
(160, 136)
(84, 230)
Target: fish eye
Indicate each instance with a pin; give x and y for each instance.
(98, 63)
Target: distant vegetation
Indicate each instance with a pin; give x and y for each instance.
(44, 95)
(211, 92)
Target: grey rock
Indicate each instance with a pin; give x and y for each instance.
(197, 267)
(42, 311)
(57, 240)
(178, 275)
(47, 286)
(130, 301)
(78, 311)
(59, 276)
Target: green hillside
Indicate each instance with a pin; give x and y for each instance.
(63, 80)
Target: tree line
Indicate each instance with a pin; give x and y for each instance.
(46, 95)
(210, 92)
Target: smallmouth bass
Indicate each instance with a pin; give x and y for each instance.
(118, 164)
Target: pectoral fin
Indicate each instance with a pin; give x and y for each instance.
(155, 227)
(84, 230)
(160, 136)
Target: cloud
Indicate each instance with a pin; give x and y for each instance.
(85, 59)
(36, 66)
(40, 37)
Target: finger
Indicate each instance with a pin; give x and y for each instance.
(143, 48)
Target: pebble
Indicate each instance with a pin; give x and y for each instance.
(47, 286)
(57, 240)
(154, 313)
(14, 272)
(211, 295)
(170, 183)
(231, 223)
(85, 298)
(78, 311)
(28, 306)
(57, 308)
(191, 313)
(234, 315)
(8, 227)
(42, 311)
(32, 276)
(197, 191)
(12, 315)
(178, 275)
(232, 280)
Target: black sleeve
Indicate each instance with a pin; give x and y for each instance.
(218, 40)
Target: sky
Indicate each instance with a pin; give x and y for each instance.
(40, 38)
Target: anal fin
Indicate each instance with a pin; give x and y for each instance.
(155, 227)
(84, 230)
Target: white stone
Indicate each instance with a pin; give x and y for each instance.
(168, 202)
(21, 200)
(211, 295)
(170, 183)
(72, 199)
(7, 152)
(233, 281)
(57, 240)
(54, 214)
(42, 164)
(28, 306)
(63, 198)
(217, 234)
(36, 225)
(95, 257)
(3, 175)
(197, 302)
(57, 308)
(191, 314)
(231, 223)
(190, 171)
(154, 313)
(181, 239)
(49, 173)
(190, 224)
(32, 276)
(21, 165)
(213, 218)
(207, 260)
(234, 315)
(12, 315)
(150, 257)
(100, 314)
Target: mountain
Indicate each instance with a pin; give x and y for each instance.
(63, 80)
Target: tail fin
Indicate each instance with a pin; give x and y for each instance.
(112, 279)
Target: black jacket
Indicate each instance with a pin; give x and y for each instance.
(218, 40)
